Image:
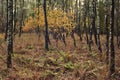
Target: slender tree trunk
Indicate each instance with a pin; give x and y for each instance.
(107, 32)
(9, 32)
(6, 28)
(73, 37)
(89, 25)
(46, 26)
(85, 26)
(98, 33)
(79, 28)
(118, 24)
(22, 16)
(2, 17)
(38, 27)
(98, 40)
(94, 19)
(15, 17)
(90, 40)
(112, 53)
(117, 21)
(64, 39)
(2, 8)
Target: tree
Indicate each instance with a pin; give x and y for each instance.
(22, 16)
(94, 20)
(38, 27)
(15, 16)
(2, 17)
(9, 32)
(85, 16)
(6, 28)
(46, 26)
(98, 33)
(107, 30)
(117, 22)
(112, 53)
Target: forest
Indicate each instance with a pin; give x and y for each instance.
(59, 39)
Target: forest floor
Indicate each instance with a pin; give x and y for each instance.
(31, 61)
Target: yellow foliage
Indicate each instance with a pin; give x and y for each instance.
(56, 19)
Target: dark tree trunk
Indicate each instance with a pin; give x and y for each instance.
(2, 17)
(107, 31)
(85, 26)
(94, 19)
(22, 16)
(46, 27)
(6, 28)
(90, 40)
(98, 33)
(38, 27)
(78, 21)
(2, 3)
(73, 37)
(89, 25)
(64, 39)
(112, 53)
(15, 17)
(98, 40)
(9, 32)
(117, 21)
(118, 24)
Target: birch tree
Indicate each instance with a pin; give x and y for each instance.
(9, 32)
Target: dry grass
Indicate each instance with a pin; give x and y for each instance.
(32, 62)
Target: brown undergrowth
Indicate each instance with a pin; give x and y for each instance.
(32, 62)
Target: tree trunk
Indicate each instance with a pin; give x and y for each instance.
(112, 53)
(22, 16)
(94, 19)
(38, 27)
(117, 22)
(15, 17)
(107, 31)
(98, 33)
(9, 32)
(46, 26)
(73, 37)
(78, 20)
(85, 26)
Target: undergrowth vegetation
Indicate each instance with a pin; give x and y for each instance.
(32, 62)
